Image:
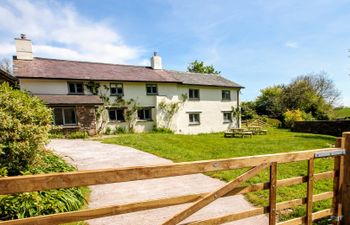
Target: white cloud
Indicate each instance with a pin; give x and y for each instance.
(291, 44)
(59, 31)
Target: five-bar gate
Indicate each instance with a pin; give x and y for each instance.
(340, 211)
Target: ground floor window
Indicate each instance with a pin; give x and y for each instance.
(144, 114)
(227, 117)
(116, 115)
(65, 116)
(194, 118)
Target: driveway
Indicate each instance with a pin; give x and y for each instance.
(87, 155)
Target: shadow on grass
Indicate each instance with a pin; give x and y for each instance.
(319, 137)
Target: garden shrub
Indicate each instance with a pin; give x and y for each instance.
(43, 202)
(162, 130)
(295, 115)
(119, 130)
(77, 135)
(24, 125)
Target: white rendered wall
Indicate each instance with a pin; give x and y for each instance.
(211, 106)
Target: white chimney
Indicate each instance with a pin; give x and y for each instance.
(156, 62)
(24, 48)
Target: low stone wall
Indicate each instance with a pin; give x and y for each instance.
(86, 118)
(330, 127)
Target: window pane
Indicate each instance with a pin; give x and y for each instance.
(140, 114)
(147, 114)
(112, 115)
(154, 89)
(69, 116)
(120, 114)
(58, 119)
(149, 90)
(71, 87)
(120, 91)
(79, 88)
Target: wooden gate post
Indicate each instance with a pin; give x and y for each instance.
(346, 183)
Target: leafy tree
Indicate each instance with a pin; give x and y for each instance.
(248, 110)
(269, 102)
(199, 67)
(24, 126)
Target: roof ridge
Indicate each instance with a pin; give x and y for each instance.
(193, 73)
(89, 62)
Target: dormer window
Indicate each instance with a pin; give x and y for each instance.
(75, 88)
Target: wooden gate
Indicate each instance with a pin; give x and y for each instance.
(340, 210)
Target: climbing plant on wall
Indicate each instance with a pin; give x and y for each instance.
(170, 109)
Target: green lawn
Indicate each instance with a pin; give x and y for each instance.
(180, 148)
(341, 113)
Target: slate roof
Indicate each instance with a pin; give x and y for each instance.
(70, 99)
(66, 69)
(7, 77)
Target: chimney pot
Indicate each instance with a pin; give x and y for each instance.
(23, 36)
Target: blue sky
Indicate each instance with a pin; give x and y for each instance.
(255, 43)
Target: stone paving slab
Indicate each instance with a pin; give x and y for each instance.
(87, 155)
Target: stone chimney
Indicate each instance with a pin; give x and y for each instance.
(24, 48)
(156, 62)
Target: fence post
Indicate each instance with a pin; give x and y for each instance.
(346, 182)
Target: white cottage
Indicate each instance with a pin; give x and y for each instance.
(93, 96)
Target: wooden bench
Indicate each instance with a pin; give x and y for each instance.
(241, 134)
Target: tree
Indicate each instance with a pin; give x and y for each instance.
(322, 85)
(199, 67)
(248, 110)
(269, 102)
(6, 65)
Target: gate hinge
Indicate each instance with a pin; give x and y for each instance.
(330, 153)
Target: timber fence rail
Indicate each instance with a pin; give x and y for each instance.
(340, 210)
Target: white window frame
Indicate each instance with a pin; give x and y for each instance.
(227, 112)
(194, 114)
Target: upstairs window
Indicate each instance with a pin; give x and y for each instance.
(64, 116)
(227, 117)
(116, 115)
(75, 88)
(144, 114)
(116, 89)
(194, 118)
(193, 94)
(151, 89)
(226, 95)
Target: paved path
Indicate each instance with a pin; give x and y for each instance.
(86, 155)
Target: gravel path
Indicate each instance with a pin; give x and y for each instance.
(85, 154)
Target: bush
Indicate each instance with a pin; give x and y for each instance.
(43, 202)
(77, 135)
(108, 131)
(162, 130)
(295, 115)
(24, 126)
(119, 130)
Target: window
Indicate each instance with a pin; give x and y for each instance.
(226, 95)
(116, 114)
(194, 118)
(151, 89)
(227, 117)
(144, 114)
(193, 94)
(75, 88)
(116, 89)
(64, 116)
